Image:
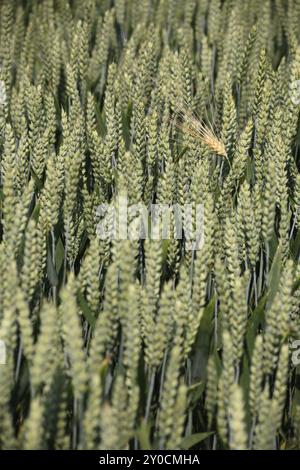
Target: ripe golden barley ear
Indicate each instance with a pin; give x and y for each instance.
(192, 126)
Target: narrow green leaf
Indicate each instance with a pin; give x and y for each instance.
(51, 272)
(86, 309)
(143, 436)
(194, 439)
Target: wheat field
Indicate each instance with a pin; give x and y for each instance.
(144, 343)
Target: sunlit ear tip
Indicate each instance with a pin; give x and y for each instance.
(195, 128)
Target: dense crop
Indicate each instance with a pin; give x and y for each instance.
(118, 344)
